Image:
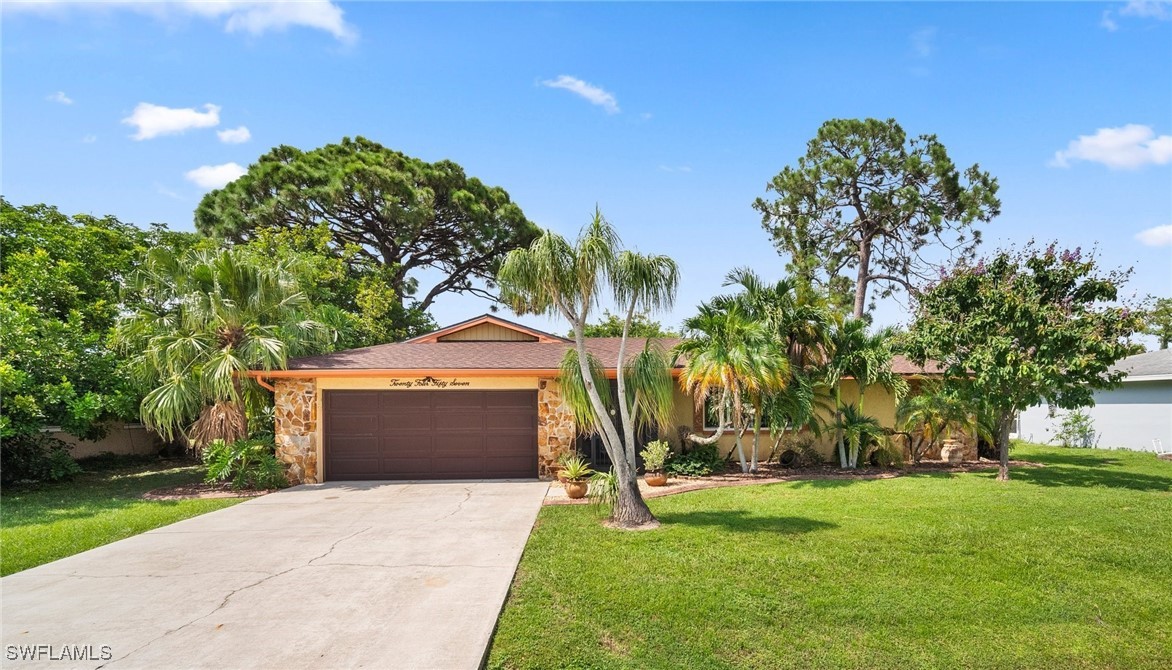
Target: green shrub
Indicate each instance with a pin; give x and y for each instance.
(1076, 429)
(36, 457)
(250, 464)
(655, 455)
(701, 461)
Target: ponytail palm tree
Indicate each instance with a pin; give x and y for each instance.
(731, 358)
(558, 278)
(207, 318)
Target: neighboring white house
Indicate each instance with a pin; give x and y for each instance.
(1134, 416)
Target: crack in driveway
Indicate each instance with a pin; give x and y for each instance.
(233, 592)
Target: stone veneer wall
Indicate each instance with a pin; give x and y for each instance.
(555, 426)
(295, 412)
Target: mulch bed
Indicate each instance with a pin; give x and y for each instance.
(193, 491)
(769, 473)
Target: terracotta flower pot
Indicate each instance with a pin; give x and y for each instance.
(576, 488)
(655, 478)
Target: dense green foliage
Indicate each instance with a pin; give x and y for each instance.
(867, 198)
(50, 521)
(389, 216)
(60, 292)
(207, 318)
(934, 414)
(696, 461)
(1024, 328)
(611, 325)
(248, 464)
(1070, 567)
(59, 296)
(1159, 322)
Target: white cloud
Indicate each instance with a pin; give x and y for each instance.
(255, 17)
(60, 97)
(1148, 9)
(924, 42)
(1159, 236)
(591, 93)
(155, 120)
(1160, 10)
(214, 176)
(234, 135)
(1124, 148)
(89, 139)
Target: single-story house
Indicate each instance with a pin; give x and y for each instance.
(476, 400)
(1137, 415)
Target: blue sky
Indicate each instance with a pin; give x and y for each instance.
(671, 117)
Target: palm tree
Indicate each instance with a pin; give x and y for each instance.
(935, 414)
(207, 317)
(731, 358)
(858, 429)
(865, 357)
(554, 277)
(799, 320)
(800, 326)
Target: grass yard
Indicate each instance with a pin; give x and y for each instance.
(50, 521)
(1067, 566)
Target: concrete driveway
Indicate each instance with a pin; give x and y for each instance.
(342, 575)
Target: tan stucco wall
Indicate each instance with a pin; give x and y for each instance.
(122, 439)
(878, 403)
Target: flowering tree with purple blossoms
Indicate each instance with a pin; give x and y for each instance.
(1024, 327)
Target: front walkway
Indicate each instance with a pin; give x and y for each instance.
(377, 575)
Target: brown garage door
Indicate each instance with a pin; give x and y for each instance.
(430, 434)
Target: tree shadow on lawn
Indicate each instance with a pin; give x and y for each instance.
(1091, 477)
(741, 521)
(1081, 460)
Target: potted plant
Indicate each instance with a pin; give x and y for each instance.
(654, 458)
(557, 469)
(576, 472)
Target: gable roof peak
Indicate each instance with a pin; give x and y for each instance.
(491, 319)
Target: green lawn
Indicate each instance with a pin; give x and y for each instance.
(50, 521)
(1067, 566)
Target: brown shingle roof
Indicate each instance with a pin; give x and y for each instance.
(493, 356)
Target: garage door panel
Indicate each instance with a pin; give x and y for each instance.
(406, 445)
(451, 421)
(470, 444)
(354, 468)
(443, 400)
(419, 421)
(404, 401)
(356, 446)
(352, 402)
(357, 424)
(430, 434)
(459, 468)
